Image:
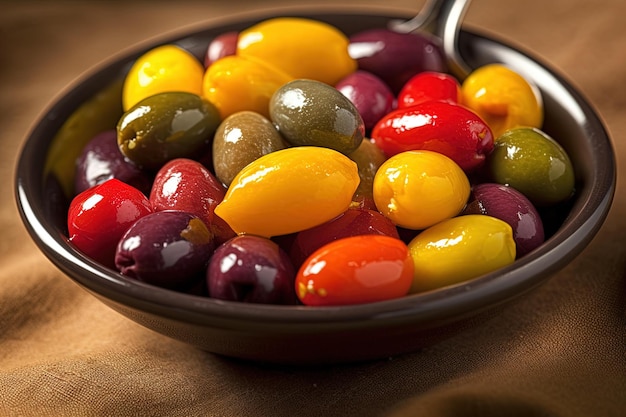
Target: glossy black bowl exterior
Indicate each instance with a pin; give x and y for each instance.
(304, 335)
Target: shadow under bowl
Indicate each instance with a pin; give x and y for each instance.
(304, 335)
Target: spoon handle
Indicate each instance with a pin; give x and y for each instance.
(443, 19)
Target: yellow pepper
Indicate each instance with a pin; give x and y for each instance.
(303, 48)
(502, 98)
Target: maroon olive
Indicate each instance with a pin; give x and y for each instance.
(371, 96)
(396, 57)
(353, 222)
(101, 160)
(511, 206)
(186, 185)
(221, 46)
(167, 248)
(251, 269)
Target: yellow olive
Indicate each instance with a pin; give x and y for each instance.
(236, 83)
(459, 249)
(289, 190)
(166, 68)
(416, 189)
(302, 48)
(502, 98)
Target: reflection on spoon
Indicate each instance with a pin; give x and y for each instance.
(443, 19)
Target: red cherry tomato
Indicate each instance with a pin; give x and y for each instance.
(429, 86)
(99, 216)
(439, 126)
(356, 270)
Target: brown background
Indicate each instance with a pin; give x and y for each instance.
(561, 351)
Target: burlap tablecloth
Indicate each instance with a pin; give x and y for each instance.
(560, 351)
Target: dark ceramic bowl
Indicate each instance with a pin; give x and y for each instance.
(303, 335)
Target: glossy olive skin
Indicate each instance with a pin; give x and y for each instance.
(289, 190)
(459, 249)
(167, 248)
(440, 126)
(251, 269)
(368, 158)
(311, 113)
(396, 57)
(353, 222)
(186, 185)
(166, 126)
(98, 217)
(101, 160)
(370, 95)
(508, 204)
(221, 46)
(240, 139)
(533, 163)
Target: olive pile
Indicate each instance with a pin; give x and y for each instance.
(313, 169)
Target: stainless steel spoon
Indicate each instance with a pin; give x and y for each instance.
(442, 18)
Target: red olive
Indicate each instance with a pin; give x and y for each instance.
(356, 270)
(187, 185)
(98, 217)
(439, 126)
(429, 86)
(353, 222)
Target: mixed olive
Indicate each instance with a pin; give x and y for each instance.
(312, 169)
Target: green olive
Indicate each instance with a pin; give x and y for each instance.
(166, 126)
(240, 139)
(533, 163)
(368, 158)
(308, 112)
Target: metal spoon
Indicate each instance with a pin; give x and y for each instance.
(443, 19)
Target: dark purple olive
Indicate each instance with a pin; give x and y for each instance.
(101, 160)
(167, 248)
(511, 206)
(371, 96)
(395, 57)
(251, 269)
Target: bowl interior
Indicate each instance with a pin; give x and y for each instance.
(252, 331)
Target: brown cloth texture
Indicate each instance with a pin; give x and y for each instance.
(558, 351)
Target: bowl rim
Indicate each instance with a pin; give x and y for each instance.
(426, 309)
